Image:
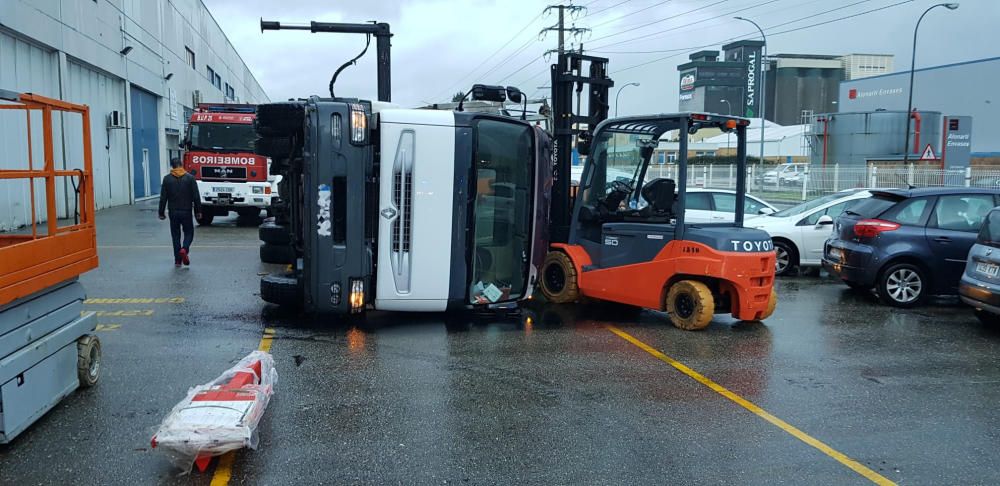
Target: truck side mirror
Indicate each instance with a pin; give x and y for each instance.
(483, 92)
(514, 95)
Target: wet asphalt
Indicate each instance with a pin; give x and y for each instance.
(555, 399)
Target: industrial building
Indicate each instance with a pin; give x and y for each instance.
(961, 94)
(796, 85)
(140, 66)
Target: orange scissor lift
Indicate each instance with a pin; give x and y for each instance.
(46, 346)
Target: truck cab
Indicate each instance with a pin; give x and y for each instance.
(406, 209)
(219, 152)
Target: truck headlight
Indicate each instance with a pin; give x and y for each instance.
(359, 124)
(258, 189)
(357, 295)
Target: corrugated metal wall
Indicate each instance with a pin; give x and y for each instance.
(35, 70)
(103, 94)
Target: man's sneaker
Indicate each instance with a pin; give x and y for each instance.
(177, 264)
(184, 257)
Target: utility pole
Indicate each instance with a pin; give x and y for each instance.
(560, 25)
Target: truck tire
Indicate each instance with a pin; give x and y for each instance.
(278, 148)
(274, 234)
(206, 219)
(559, 283)
(280, 119)
(277, 254)
(690, 305)
(88, 360)
(281, 290)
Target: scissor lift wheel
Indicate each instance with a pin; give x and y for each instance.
(88, 365)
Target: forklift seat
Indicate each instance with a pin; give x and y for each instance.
(659, 193)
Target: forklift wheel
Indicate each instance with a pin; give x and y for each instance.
(690, 305)
(88, 361)
(772, 303)
(559, 278)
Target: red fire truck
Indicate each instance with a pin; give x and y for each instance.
(218, 151)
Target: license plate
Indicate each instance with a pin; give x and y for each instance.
(990, 269)
(836, 253)
(223, 189)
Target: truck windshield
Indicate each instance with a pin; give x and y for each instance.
(223, 136)
(503, 164)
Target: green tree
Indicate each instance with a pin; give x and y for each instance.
(455, 98)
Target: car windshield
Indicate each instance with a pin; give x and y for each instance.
(223, 136)
(808, 205)
(502, 211)
(874, 206)
(989, 234)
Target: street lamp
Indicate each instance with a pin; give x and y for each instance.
(913, 61)
(763, 85)
(619, 94)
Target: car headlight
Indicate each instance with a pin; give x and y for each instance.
(258, 189)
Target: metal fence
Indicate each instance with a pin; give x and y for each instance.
(812, 182)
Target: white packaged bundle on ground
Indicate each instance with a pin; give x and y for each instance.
(219, 416)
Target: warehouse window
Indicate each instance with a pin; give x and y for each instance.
(214, 78)
(189, 56)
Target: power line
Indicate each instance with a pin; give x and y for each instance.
(588, 14)
(661, 20)
(491, 56)
(772, 34)
(727, 14)
(631, 14)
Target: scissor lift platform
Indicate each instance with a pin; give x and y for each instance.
(46, 346)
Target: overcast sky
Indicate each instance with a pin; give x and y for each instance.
(438, 44)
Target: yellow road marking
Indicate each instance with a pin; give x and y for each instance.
(136, 300)
(721, 390)
(108, 327)
(123, 313)
(224, 469)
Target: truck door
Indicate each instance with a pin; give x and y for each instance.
(416, 201)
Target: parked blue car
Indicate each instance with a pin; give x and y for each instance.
(980, 285)
(908, 243)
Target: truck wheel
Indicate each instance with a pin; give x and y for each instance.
(277, 254)
(274, 234)
(88, 360)
(690, 305)
(279, 119)
(281, 290)
(559, 284)
(772, 303)
(206, 219)
(278, 148)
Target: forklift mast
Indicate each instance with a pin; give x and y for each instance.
(379, 30)
(567, 73)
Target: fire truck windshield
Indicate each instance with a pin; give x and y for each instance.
(223, 136)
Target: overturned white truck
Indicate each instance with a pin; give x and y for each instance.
(405, 209)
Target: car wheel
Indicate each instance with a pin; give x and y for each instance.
(281, 290)
(559, 284)
(206, 219)
(902, 285)
(690, 305)
(786, 258)
(988, 318)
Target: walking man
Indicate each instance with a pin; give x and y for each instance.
(179, 192)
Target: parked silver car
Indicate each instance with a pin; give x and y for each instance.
(980, 284)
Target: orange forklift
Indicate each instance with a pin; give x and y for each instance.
(622, 237)
(47, 348)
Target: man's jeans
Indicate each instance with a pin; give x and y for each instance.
(181, 220)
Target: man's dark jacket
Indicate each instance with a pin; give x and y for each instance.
(180, 194)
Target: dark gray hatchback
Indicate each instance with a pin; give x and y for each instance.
(980, 285)
(908, 243)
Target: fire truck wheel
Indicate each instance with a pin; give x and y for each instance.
(278, 148)
(690, 305)
(274, 234)
(206, 219)
(88, 361)
(280, 119)
(772, 303)
(559, 284)
(277, 254)
(281, 290)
